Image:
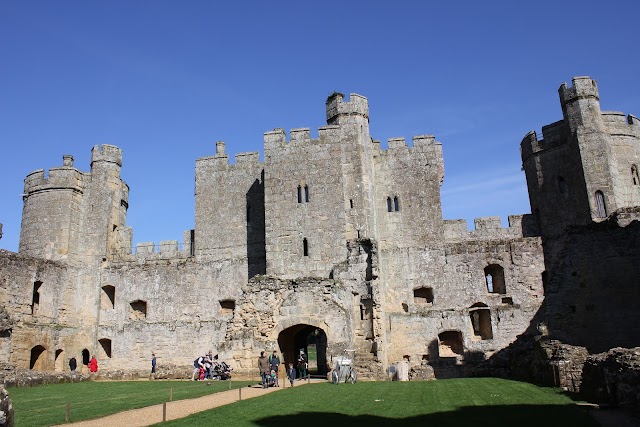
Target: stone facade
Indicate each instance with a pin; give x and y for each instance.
(331, 241)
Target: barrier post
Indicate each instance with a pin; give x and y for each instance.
(67, 414)
(164, 411)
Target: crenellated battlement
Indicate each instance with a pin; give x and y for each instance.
(420, 143)
(106, 153)
(490, 228)
(277, 138)
(339, 112)
(65, 177)
(220, 161)
(582, 87)
(619, 123)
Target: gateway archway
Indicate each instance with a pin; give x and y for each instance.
(312, 340)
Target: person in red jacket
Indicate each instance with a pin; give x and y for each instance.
(93, 364)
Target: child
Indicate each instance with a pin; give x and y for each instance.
(273, 379)
(291, 373)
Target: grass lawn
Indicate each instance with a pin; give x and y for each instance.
(469, 402)
(45, 405)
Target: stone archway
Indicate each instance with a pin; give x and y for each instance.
(304, 336)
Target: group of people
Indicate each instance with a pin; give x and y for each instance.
(269, 368)
(208, 367)
(92, 365)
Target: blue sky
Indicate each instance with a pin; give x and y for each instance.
(164, 80)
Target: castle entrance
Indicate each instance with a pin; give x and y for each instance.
(309, 338)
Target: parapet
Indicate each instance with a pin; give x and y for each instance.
(338, 111)
(490, 228)
(65, 177)
(582, 87)
(221, 159)
(106, 153)
(277, 138)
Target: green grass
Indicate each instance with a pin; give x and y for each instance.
(45, 405)
(470, 402)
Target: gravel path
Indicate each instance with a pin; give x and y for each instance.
(178, 408)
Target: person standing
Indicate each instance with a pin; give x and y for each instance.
(263, 367)
(93, 364)
(291, 373)
(153, 366)
(302, 364)
(73, 364)
(274, 365)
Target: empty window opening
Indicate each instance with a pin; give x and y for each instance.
(35, 298)
(481, 321)
(601, 207)
(227, 307)
(423, 295)
(305, 247)
(351, 203)
(389, 206)
(115, 227)
(248, 213)
(396, 204)
(406, 358)
(37, 358)
(105, 346)
(138, 310)
(450, 344)
(545, 281)
(494, 277)
(405, 308)
(299, 194)
(108, 297)
(562, 185)
(306, 194)
(58, 365)
(507, 300)
(366, 309)
(634, 175)
(85, 357)
(192, 242)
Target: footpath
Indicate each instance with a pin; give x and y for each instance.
(179, 408)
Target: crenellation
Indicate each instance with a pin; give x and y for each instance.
(106, 153)
(300, 136)
(396, 143)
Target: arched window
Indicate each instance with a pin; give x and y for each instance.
(37, 359)
(108, 297)
(494, 278)
(396, 204)
(306, 194)
(562, 185)
(85, 357)
(299, 194)
(634, 175)
(305, 247)
(601, 207)
(389, 206)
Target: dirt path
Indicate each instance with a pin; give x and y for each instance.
(178, 408)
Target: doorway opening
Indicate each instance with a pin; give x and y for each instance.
(311, 340)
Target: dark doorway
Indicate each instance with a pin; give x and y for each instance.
(312, 340)
(85, 357)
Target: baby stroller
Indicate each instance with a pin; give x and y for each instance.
(222, 371)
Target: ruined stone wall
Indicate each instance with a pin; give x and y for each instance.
(304, 199)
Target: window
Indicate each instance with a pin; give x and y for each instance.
(306, 194)
(227, 307)
(601, 207)
(450, 344)
(389, 207)
(108, 297)
(634, 175)
(299, 194)
(105, 345)
(562, 185)
(85, 357)
(423, 295)
(396, 204)
(481, 321)
(351, 203)
(138, 310)
(494, 278)
(248, 213)
(305, 247)
(35, 297)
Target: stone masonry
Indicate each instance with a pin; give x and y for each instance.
(332, 241)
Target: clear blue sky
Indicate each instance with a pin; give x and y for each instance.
(164, 80)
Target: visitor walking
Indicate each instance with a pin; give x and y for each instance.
(153, 366)
(263, 367)
(93, 364)
(291, 373)
(302, 364)
(73, 364)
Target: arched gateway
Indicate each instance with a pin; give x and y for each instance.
(311, 339)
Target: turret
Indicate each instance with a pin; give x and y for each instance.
(581, 103)
(355, 111)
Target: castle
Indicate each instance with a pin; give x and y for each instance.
(337, 242)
